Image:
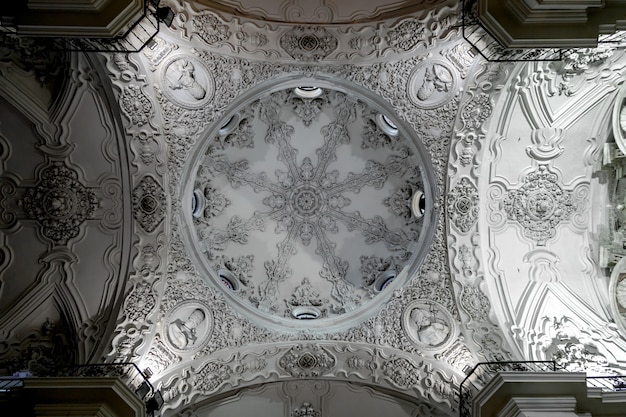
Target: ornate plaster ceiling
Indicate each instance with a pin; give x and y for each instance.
(307, 201)
(320, 11)
(505, 264)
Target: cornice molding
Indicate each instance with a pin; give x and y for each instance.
(543, 24)
(96, 18)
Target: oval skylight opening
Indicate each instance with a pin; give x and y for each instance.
(306, 313)
(386, 125)
(230, 126)
(308, 92)
(197, 203)
(385, 279)
(229, 280)
(418, 204)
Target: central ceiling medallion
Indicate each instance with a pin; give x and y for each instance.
(308, 215)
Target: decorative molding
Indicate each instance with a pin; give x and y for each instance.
(539, 205)
(308, 43)
(300, 362)
(59, 203)
(186, 81)
(188, 326)
(463, 205)
(149, 203)
(432, 83)
(428, 325)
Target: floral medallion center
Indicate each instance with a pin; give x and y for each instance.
(59, 203)
(307, 201)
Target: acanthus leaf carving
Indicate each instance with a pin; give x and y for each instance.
(303, 361)
(306, 43)
(539, 205)
(149, 203)
(60, 203)
(463, 205)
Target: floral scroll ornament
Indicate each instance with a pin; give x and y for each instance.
(309, 43)
(60, 203)
(539, 205)
(463, 205)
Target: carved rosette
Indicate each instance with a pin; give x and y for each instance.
(301, 363)
(149, 203)
(539, 205)
(463, 205)
(309, 43)
(60, 203)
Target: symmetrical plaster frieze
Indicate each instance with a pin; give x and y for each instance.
(317, 361)
(225, 33)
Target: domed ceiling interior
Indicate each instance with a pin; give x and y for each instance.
(306, 203)
(279, 208)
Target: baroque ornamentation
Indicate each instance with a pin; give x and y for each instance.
(307, 109)
(159, 357)
(460, 56)
(158, 52)
(149, 203)
(373, 266)
(211, 376)
(140, 302)
(305, 199)
(237, 131)
(402, 372)
(307, 361)
(40, 352)
(431, 84)
(374, 138)
(306, 410)
(475, 302)
(210, 202)
(406, 36)
(308, 43)
(60, 203)
(539, 205)
(210, 29)
(305, 295)
(136, 105)
(476, 111)
(428, 324)
(187, 82)
(188, 326)
(467, 261)
(574, 356)
(463, 205)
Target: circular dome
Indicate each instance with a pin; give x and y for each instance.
(307, 205)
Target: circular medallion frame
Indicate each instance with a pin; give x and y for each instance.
(187, 326)
(431, 83)
(428, 325)
(186, 81)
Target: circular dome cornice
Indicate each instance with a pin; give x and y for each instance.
(293, 197)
